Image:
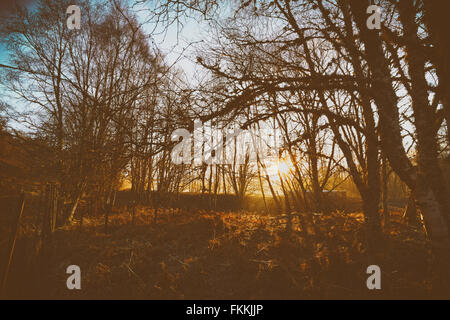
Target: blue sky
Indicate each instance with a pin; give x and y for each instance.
(171, 43)
(7, 7)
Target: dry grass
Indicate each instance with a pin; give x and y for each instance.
(212, 255)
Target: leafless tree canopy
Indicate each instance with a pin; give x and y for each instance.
(350, 108)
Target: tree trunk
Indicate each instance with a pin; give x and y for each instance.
(410, 214)
(74, 209)
(385, 179)
(392, 143)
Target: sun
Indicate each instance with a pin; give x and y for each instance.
(283, 167)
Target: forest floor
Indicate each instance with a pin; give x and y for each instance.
(214, 255)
